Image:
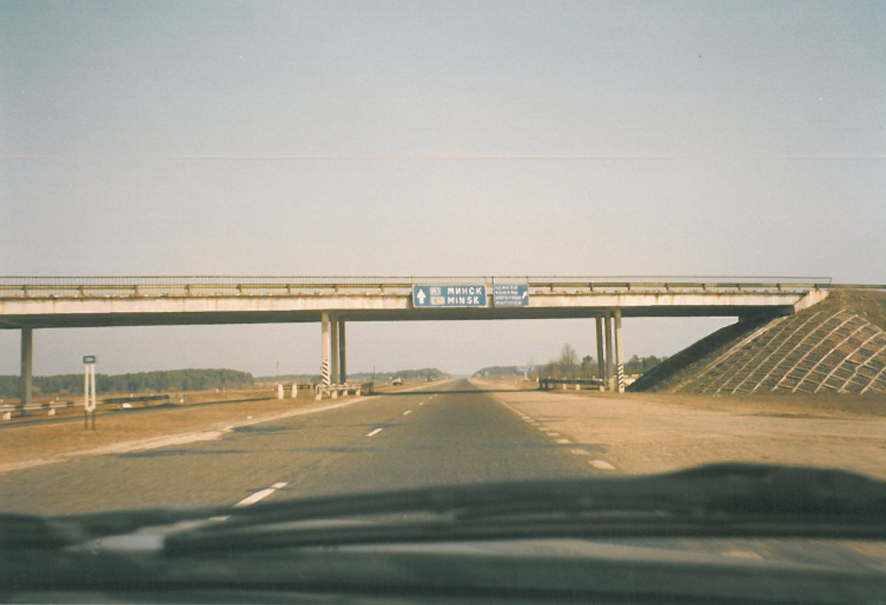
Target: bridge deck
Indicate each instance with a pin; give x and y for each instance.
(130, 301)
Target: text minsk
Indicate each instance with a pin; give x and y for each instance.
(468, 295)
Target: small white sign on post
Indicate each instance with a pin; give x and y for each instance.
(89, 390)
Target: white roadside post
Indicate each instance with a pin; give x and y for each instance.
(294, 393)
(279, 391)
(88, 390)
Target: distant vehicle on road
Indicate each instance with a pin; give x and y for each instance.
(397, 381)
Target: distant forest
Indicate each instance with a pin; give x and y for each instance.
(380, 376)
(570, 366)
(158, 382)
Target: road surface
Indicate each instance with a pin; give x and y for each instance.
(440, 434)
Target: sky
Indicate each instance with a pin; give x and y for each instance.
(420, 138)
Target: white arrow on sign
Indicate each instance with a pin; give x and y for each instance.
(421, 296)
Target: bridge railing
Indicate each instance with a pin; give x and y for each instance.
(155, 286)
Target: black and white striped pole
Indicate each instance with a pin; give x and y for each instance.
(88, 390)
(619, 354)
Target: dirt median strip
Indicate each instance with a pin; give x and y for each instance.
(37, 445)
(650, 434)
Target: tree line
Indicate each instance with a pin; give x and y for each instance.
(158, 382)
(568, 365)
(423, 373)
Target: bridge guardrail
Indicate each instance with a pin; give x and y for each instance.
(157, 286)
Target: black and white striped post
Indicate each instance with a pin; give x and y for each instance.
(326, 351)
(619, 353)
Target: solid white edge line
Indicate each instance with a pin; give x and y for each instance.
(602, 465)
(255, 497)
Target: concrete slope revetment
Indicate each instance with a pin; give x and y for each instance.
(835, 346)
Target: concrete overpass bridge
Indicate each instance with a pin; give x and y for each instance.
(29, 303)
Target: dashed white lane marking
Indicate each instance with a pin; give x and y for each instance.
(407, 412)
(579, 452)
(374, 433)
(552, 434)
(563, 441)
(421, 403)
(602, 465)
(259, 495)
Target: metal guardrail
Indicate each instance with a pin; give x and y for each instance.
(53, 405)
(159, 286)
(546, 384)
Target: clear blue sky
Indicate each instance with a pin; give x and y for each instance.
(433, 138)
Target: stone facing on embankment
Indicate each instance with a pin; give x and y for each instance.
(822, 349)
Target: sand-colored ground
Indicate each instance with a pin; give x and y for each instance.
(121, 431)
(649, 433)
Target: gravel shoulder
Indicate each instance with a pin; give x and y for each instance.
(24, 447)
(649, 433)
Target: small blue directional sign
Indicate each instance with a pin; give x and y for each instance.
(511, 295)
(436, 297)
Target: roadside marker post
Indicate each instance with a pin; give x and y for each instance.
(88, 390)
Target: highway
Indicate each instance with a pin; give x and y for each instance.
(445, 433)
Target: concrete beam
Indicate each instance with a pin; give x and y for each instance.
(335, 376)
(342, 354)
(607, 327)
(601, 361)
(27, 370)
(35, 311)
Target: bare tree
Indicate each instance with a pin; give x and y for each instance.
(568, 362)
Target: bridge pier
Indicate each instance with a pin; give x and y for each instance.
(601, 361)
(333, 369)
(619, 354)
(342, 364)
(27, 370)
(334, 352)
(326, 350)
(607, 328)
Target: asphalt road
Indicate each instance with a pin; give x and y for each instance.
(449, 433)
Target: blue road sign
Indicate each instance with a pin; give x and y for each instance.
(436, 297)
(510, 295)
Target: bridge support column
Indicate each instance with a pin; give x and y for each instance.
(619, 354)
(334, 359)
(326, 346)
(27, 371)
(607, 328)
(342, 354)
(601, 371)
